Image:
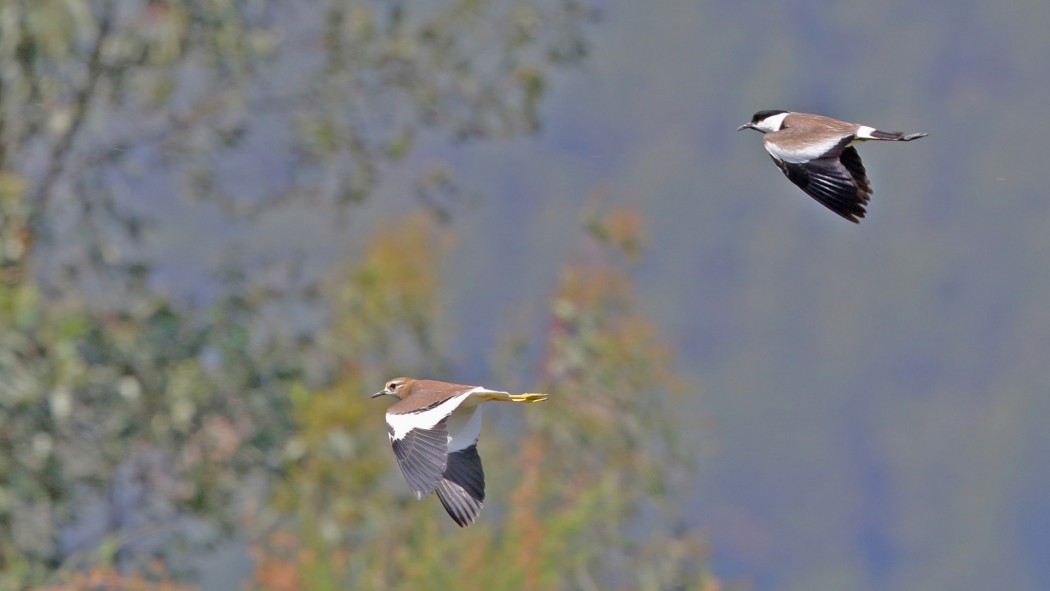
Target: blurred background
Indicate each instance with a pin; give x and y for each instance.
(224, 224)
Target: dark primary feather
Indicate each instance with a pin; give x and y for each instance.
(462, 487)
(851, 160)
(899, 136)
(422, 454)
(838, 181)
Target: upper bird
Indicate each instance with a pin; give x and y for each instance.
(434, 429)
(817, 154)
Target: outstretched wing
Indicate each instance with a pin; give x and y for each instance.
(837, 181)
(462, 487)
(420, 438)
(422, 455)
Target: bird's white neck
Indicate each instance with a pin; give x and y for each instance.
(772, 123)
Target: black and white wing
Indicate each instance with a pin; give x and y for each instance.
(836, 179)
(462, 486)
(436, 448)
(422, 455)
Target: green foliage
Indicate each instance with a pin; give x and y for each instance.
(189, 80)
(146, 412)
(128, 420)
(620, 386)
(553, 519)
(96, 410)
(335, 493)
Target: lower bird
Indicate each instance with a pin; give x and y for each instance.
(817, 154)
(434, 430)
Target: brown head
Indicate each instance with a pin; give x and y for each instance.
(397, 387)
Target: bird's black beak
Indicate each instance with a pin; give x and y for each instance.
(380, 393)
(745, 126)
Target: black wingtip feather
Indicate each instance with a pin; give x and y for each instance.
(462, 487)
(840, 184)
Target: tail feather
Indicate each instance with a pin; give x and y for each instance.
(896, 136)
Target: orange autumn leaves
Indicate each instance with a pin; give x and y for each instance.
(562, 493)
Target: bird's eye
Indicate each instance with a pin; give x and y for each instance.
(392, 386)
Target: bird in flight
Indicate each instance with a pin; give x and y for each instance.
(817, 154)
(434, 429)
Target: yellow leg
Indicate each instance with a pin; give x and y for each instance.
(505, 397)
(527, 397)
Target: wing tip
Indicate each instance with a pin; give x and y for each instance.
(462, 506)
(462, 487)
(853, 212)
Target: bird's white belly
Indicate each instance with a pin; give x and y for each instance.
(803, 153)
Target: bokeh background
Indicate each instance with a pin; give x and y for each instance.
(223, 224)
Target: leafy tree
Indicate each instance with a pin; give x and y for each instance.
(566, 492)
(131, 423)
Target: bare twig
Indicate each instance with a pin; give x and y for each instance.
(60, 150)
(3, 139)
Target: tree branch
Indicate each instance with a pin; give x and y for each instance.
(60, 150)
(3, 138)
